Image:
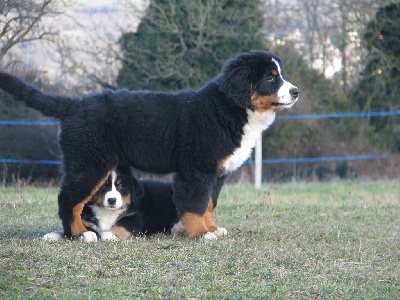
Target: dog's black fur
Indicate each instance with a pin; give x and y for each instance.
(124, 206)
(198, 135)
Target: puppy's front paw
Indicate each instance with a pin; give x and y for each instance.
(88, 236)
(54, 236)
(108, 236)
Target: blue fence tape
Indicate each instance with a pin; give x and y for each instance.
(310, 116)
(264, 161)
(29, 123)
(323, 159)
(343, 115)
(31, 161)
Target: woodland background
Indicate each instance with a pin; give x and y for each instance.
(343, 55)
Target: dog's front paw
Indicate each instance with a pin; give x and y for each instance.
(54, 236)
(108, 236)
(215, 234)
(211, 236)
(221, 232)
(88, 236)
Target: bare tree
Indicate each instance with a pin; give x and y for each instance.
(21, 21)
(91, 60)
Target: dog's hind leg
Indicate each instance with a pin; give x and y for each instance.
(72, 198)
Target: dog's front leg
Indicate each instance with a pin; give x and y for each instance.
(209, 215)
(192, 198)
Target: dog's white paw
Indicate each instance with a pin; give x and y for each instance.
(88, 236)
(177, 228)
(211, 236)
(54, 236)
(108, 236)
(221, 232)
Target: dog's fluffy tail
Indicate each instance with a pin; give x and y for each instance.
(50, 105)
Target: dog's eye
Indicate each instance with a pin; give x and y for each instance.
(120, 186)
(271, 79)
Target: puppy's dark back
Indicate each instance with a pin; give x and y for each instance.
(157, 205)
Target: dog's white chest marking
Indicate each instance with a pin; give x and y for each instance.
(106, 217)
(256, 124)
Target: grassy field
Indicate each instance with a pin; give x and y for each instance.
(292, 241)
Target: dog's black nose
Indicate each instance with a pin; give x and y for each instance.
(295, 92)
(112, 201)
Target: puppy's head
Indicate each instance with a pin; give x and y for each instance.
(117, 192)
(255, 80)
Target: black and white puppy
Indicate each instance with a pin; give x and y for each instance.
(124, 206)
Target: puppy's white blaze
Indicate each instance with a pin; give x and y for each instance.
(256, 124)
(278, 67)
(284, 91)
(113, 194)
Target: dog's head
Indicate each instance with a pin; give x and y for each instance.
(119, 191)
(255, 80)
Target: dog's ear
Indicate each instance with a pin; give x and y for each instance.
(238, 78)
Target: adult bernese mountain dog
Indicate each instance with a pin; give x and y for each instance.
(201, 136)
(124, 206)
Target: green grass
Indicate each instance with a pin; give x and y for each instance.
(292, 241)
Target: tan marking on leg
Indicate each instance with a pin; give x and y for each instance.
(208, 216)
(194, 224)
(121, 232)
(77, 227)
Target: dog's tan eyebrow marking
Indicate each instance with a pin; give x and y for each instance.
(274, 72)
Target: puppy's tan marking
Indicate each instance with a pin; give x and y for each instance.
(121, 232)
(126, 201)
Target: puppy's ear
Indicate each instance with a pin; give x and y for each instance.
(236, 84)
